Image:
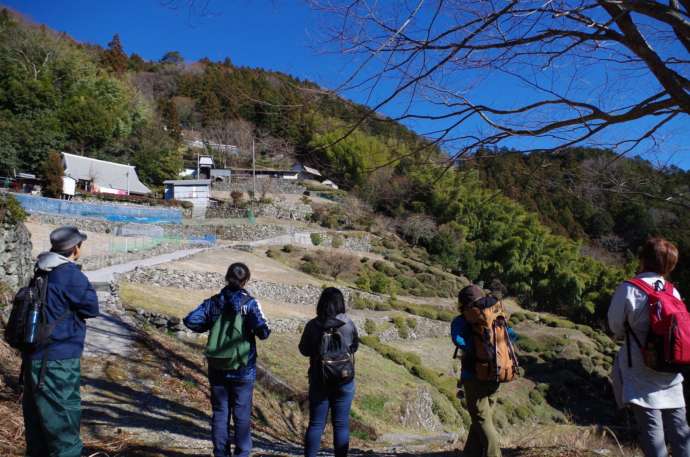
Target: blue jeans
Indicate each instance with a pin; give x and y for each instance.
(656, 426)
(339, 400)
(231, 398)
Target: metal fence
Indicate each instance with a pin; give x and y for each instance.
(107, 211)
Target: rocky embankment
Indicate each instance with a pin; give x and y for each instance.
(303, 295)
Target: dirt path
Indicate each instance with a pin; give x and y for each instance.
(105, 275)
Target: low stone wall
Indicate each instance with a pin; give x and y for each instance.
(82, 223)
(239, 232)
(16, 265)
(278, 209)
(305, 295)
(102, 261)
(246, 184)
(347, 242)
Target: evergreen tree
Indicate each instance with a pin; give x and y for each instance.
(170, 118)
(53, 172)
(114, 57)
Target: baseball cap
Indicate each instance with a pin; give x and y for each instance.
(470, 294)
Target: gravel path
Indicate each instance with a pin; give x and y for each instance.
(105, 275)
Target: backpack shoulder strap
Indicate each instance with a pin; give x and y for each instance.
(643, 285)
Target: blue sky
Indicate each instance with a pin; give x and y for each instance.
(274, 34)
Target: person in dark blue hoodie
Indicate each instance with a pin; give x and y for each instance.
(52, 401)
(232, 389)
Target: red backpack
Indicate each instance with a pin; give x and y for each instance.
(667, 347)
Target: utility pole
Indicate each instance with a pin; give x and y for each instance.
(253, 174)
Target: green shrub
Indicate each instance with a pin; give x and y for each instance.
(412, 322)
(527, 344)
(316, 239)
(370, 327)
(401, 324)
(363, 281)
(374, 404)
(11, 210)
(381, 306)
(445, 315)
(288, 248)
(389, 244)
(270, 253)
(337, 241)
(310, 268)
(380, 283)
(536, 396)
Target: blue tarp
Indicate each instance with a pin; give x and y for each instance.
(107, 211)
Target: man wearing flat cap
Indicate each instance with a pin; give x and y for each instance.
(52, 401)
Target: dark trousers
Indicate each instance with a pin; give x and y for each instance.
(231, 398)
(339, 401)
(482, 440)
(52, 415)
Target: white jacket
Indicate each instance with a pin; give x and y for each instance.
(639, 385)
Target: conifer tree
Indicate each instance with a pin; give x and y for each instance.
(53, 172)
(114, 57)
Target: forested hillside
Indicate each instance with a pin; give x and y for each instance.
(62, 95)
(612, 204)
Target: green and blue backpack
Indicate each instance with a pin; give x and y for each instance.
(227, 348)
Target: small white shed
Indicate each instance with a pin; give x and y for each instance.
(196, 191)
(69, 186)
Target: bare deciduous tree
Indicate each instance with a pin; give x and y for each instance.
(336, 264)
(607, 72)
(418, 227)
(236, 132)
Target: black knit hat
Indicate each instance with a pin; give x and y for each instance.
(470, 294)
(65, 238)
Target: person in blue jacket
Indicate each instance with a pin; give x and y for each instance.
(482, 439)
(232, 390)
(52, 373)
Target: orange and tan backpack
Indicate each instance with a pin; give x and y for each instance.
(494, 353)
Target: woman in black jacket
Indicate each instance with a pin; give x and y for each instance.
(325, 395)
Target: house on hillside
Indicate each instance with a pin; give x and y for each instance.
(101, 176)
(331, 184)
(204, 167)
(289, 175)
(307, 173)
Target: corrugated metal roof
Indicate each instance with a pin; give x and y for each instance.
(104, 174)
(313, 171)
(188, 182)
(301, 167)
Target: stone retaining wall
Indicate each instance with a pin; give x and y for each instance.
(302, 295)
(278, 209)
(305, 295)
(246, 184)
(236, 232)
(16, 265)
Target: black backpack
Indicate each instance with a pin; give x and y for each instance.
(337, 363)
(27, 328)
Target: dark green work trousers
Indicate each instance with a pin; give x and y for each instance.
(482, 440)
(52, 415)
